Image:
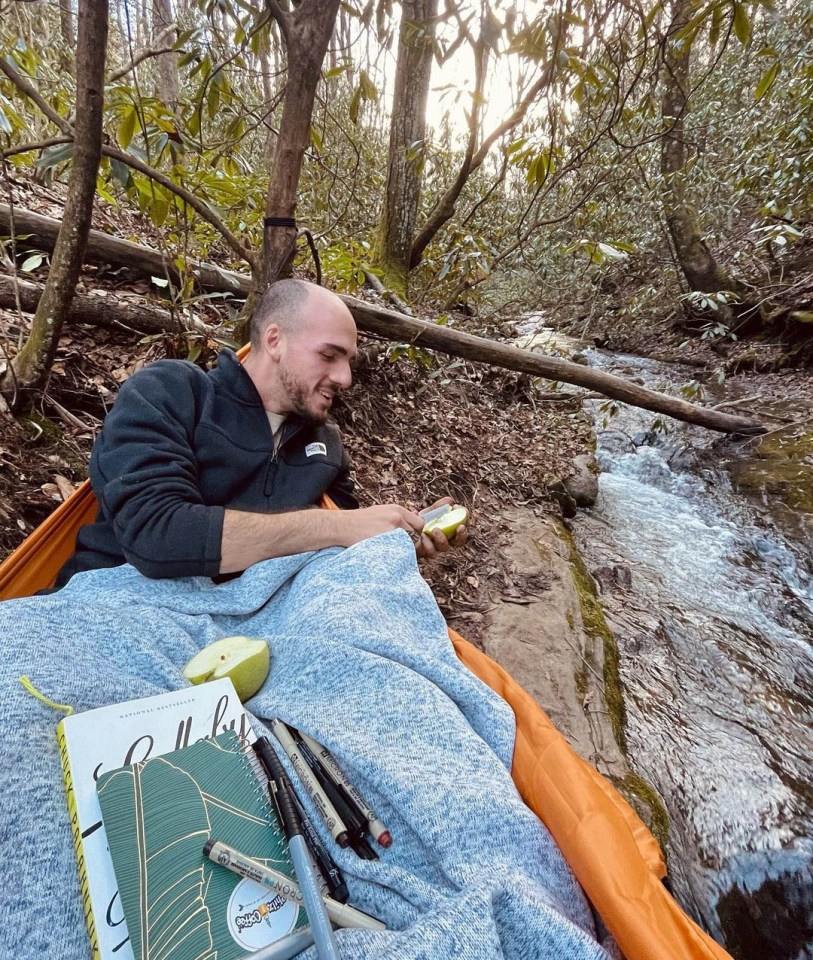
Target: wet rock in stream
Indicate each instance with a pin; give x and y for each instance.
(771, 921)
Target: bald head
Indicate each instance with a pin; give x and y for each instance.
(303, 340)
(292, 305)
(283, 303)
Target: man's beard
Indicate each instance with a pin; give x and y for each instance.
(298, 395)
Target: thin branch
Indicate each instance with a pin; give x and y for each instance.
(15, 279)
(34, 145)
(219, 65)
(443, 209)
(33, 94)
(282, 19)
(195, 202)
(487, 195)
(144, 55)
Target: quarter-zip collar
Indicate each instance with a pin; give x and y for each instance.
(231, 377)
(292, 426)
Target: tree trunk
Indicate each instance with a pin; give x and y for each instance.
(32, 365)
(396, 326)
(143, 24)
(306, 32)
(701, 270)
(407, 133)
(66, 23)
(167, 63)
(268, 96)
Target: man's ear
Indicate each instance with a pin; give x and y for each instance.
(272, 340)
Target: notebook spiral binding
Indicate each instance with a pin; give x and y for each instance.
(259, 781)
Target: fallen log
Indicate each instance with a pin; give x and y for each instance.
(395, 326)
(40, 232)
(103, 311)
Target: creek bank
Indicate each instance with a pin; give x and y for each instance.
(551, 635)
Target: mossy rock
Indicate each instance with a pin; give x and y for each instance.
(51, 432)
(595, 625)
(782, 467)
(647, 803)
(640, 795)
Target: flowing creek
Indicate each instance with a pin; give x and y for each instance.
(709, 591)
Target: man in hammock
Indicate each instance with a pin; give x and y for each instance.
(206, 473)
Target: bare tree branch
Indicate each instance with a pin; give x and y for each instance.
(32, 93)
(34, 145)
(144, 55)
(444, 209)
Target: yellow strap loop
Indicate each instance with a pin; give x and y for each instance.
(29, 686)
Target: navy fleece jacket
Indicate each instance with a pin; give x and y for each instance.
(180, 446)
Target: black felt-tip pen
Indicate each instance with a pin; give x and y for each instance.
(326, 809)
(327, 865)
(343, 804)
(339, 777)
(323, 937)
(324, 861)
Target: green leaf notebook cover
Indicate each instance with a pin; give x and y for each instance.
(158, 814)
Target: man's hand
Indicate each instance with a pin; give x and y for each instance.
(431, 545)
(369, 522)
(248, 538)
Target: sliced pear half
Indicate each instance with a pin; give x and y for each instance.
(448, 522)
(244, 660)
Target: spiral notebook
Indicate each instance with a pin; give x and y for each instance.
(158, 814)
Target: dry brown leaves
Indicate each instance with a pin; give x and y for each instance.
(478, 438)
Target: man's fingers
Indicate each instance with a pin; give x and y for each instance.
(412, 522)
(439, 541)
(431, 545)
(461, 535)
(425, 548)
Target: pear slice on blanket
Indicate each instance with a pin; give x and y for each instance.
(244, 660)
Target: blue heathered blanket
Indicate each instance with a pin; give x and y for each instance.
(362, 661)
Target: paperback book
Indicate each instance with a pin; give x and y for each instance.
(101, 740)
